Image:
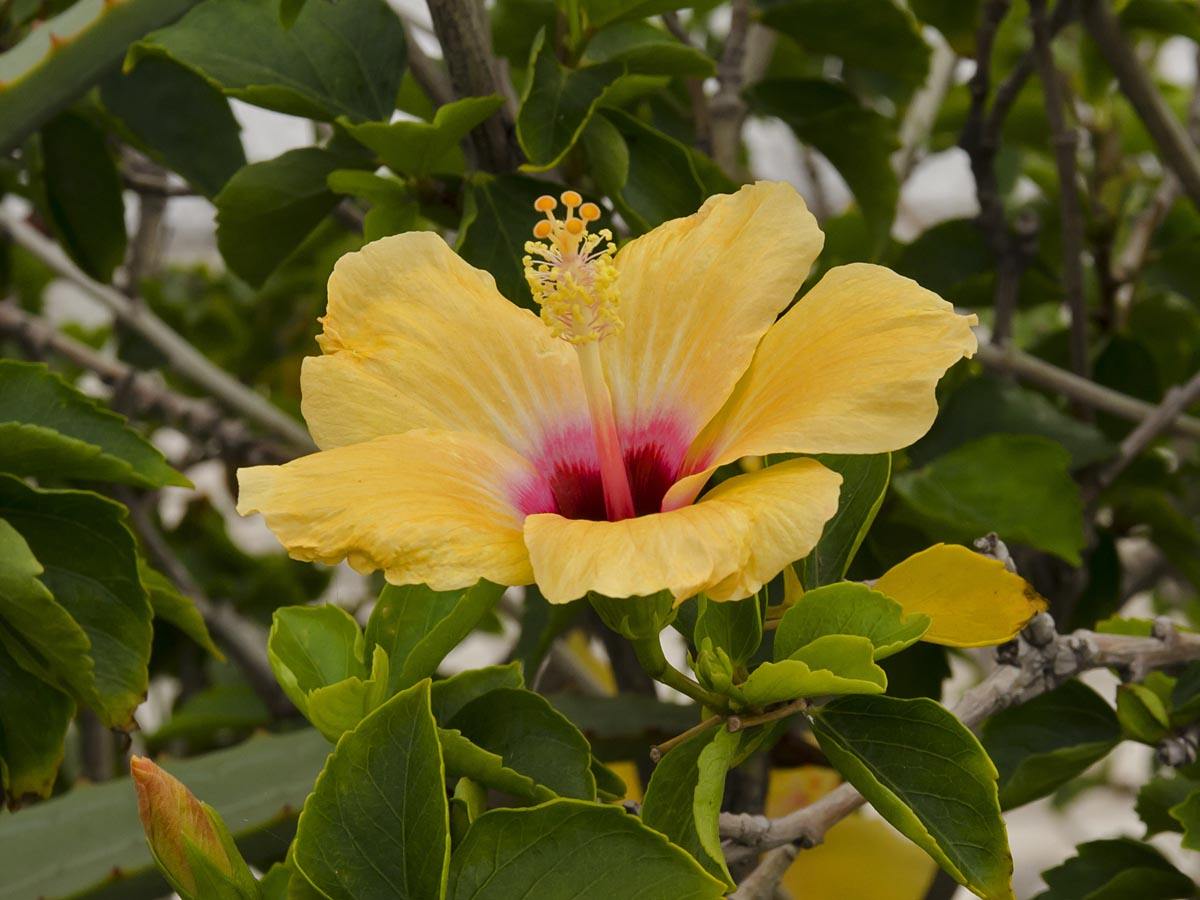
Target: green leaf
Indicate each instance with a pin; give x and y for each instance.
(646, 50)
(1163, 16)
(268, 208)
(426, 148)
(602, 12)
(925, 773)
(48, 429)
(955, 19)
(204, 146)
(497, 217)
(1185, 696)
(1158, 796)
(558, 102)
(418, 626)
(91, 569)
(876, 34)
(55, 849)
(1028, 496)
(532, 738)
(833, 664)
(289, 10)
(82, 189)
(466, 759)
(37, 631)
(1188, 815)
(858, 141)
(1041, 745)
(985, 405)
(1142, 714)
(452, 694)
(233, 706)
(848, 608)
(661, 181)
(394, 208)
(171, 606)
(337, 59)
(1121, 869)
(339, 707)
(735, 626)
(864, 484)
(680, 797)
(567, 848)
(376, 826)
(33, 726)
(621, 727)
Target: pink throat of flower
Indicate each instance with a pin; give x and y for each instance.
(571, 483)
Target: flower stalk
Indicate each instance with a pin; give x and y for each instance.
(654, 662)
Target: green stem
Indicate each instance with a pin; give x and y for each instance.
(650, 655)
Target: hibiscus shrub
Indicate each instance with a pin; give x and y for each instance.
(664, 498)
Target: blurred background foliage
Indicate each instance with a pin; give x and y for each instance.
(1067, 219)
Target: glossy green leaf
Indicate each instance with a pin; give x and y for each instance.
(1121, 869)
(48, 429)
(929, 777)
(532, 738)
(451, 694)
(955, 19)
(337, 59)
(466, 759)
(567, 848)
(83, 194)
(647, 50)
(418, 626)
(857, 140)
(169, 605)
(661, 181)
(33, 725)
(426, 148)
(376, 826)
(848, 608)
(734, 626)
(314, 646)
(339, 707)
(602, 12)
(1168, 17)
(55, 850)
(1185, 695)
(203, 146)
(1044, 743)
(289, 10)
(1158, 796)
(874, 34)
(1028, 497)
(986, 405)
(680, 797)
(557, 103)
(864, 483)
(1188, 815)
(37, 631)
(1142, 713)
(622, 727)
(267, 209)
(91, 569)
(833, 664)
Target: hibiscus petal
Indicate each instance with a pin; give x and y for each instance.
(697, 294)
(738, 537)
(851, 368)
(416, 338)
(441, 508)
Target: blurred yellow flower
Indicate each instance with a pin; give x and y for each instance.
(462, 439)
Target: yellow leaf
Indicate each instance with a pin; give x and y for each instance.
(897, 869)
(972, 599)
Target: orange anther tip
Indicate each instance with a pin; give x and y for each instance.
(541, 230)
(574, 226)
(589, 212)
(571, 198)
(545, 203)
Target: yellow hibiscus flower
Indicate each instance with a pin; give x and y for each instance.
(462, 439)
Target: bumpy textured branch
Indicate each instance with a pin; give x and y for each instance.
(1043, 661)
(73, 56)
(141, 394)
(181, 355)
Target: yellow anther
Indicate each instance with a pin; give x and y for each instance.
(542, 229)
(544, 203)
(574, 226)
(571, 199)
(589, 212)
